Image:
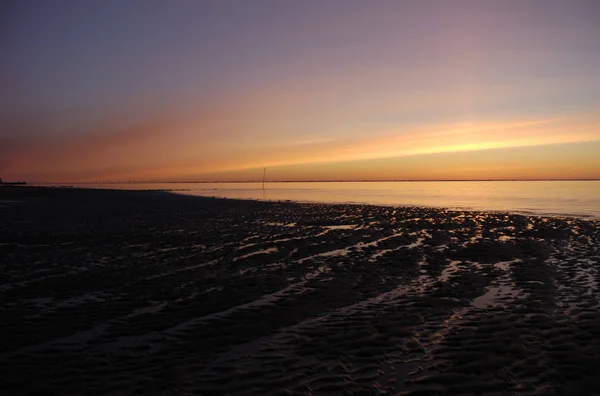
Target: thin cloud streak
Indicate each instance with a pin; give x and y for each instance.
(486, 136)
(158, 151)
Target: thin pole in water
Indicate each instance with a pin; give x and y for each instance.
(264, 175)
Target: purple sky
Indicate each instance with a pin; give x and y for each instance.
(180, 89)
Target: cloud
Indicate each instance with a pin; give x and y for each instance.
(435, 139)
(274, 127)
(169, 151)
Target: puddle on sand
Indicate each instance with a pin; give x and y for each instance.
(380, 253)
(279, 224)
(505, 265)
(506, 238)
(417, 243)
(497, 296)
(449, 270)
(341, 227)
(503, 293)
(335, 253)
(265, 251)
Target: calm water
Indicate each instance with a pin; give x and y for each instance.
(570, 198)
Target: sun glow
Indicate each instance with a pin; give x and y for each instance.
(263, 90)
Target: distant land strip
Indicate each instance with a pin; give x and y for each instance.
(310, 181)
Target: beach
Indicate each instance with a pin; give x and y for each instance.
(155, 293)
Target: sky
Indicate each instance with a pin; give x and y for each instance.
(182, 90)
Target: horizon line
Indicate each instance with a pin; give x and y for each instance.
(308, 181)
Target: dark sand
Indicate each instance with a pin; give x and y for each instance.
(116, 292)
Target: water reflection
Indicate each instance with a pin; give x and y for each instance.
(572, 198)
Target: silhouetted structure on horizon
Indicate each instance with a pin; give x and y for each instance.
(17, 183)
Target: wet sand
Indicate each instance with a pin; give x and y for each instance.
(151, 293)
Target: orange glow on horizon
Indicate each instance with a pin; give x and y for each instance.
(311, 90)
(158, 152)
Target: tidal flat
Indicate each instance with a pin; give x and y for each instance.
(152, 293)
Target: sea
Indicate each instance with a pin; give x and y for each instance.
(548, 198)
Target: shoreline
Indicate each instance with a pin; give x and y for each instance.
(181, 192)
(563, 216)
(321, 181)
(138, 292)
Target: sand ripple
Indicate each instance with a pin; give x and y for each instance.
(141, 293)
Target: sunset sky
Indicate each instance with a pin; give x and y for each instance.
(312, 90)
